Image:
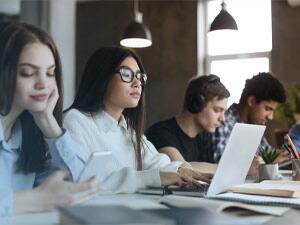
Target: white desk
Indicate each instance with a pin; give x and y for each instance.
(134, 201)
(137, 201)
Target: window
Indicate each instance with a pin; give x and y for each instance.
(238, 55)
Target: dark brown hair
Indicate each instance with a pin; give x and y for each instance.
(98, 72)
(34, 155)
(264, 87)
(202, 89)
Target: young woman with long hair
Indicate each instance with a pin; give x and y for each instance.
(33, 143)
(108, 114)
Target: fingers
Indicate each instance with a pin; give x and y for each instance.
(54, 93)
(89, 185)
(199, 176)
(182, 180)
(193, 174)
(78, 197)
(284, 153)
(82, 197)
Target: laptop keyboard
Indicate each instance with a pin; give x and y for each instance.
(193, 188)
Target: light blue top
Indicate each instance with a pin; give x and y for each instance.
(295, 136)
(65, 156)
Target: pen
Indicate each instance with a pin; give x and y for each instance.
(290, 143)
(166, 191)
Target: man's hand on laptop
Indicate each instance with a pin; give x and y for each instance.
(283, 156)
(257, 160)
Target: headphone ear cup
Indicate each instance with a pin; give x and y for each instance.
(201, 103)
(196, 104)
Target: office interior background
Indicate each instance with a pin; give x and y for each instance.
(268, 39)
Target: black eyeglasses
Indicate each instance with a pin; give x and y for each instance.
(127, 75)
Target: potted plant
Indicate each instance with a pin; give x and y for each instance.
(269, 170)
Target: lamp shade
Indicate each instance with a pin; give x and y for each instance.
(223, 21)
(136, 35)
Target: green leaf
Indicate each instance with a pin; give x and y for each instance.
(269, 154)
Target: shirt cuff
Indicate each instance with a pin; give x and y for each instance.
(149, 178)
(58, 147)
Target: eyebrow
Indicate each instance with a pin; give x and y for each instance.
(34, 66)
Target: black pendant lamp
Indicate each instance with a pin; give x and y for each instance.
(136, 34)
(223, 20)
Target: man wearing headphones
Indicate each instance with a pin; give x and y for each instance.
(203, 110)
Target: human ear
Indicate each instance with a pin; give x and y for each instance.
(251, 101)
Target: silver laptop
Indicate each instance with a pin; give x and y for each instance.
(234, 163)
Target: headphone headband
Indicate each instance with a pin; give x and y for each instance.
(196, 101)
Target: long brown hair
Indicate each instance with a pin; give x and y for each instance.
(98, 72)
(34, 154)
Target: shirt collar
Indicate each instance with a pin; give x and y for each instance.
(15, 140)
(107, 123)
(233, 112)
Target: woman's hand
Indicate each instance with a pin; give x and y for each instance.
(193, 174)
(171, 178)
(56, 191)
(45, 119)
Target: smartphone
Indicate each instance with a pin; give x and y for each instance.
(100, 165)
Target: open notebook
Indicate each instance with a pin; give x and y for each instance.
(277, 188)
(218, 206)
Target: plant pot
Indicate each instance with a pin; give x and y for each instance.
(268, 172)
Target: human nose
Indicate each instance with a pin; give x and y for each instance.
(136, 82)
(41, 81)
(270, 116)
(222, 117)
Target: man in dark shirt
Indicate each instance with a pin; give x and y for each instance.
(169, 133)
(203, 110)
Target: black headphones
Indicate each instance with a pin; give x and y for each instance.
(196, 101)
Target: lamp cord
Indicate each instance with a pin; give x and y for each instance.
(136, 7)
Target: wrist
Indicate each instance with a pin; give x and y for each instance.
(49, 126)
(28, 201)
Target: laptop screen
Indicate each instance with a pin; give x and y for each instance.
(237, 157)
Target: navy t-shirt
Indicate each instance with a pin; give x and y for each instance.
(168, 134)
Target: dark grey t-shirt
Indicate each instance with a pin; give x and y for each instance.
(168, 134)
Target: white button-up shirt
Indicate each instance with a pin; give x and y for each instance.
(101, 132)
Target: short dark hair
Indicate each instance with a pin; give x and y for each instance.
(201, 86)
(264, 87)
(98, 72)
(14, 37)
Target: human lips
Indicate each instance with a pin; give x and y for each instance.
(135, 95)
(40, 97)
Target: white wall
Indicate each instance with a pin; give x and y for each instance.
(62, 28)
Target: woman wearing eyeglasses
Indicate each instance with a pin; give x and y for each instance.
(108, 114)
